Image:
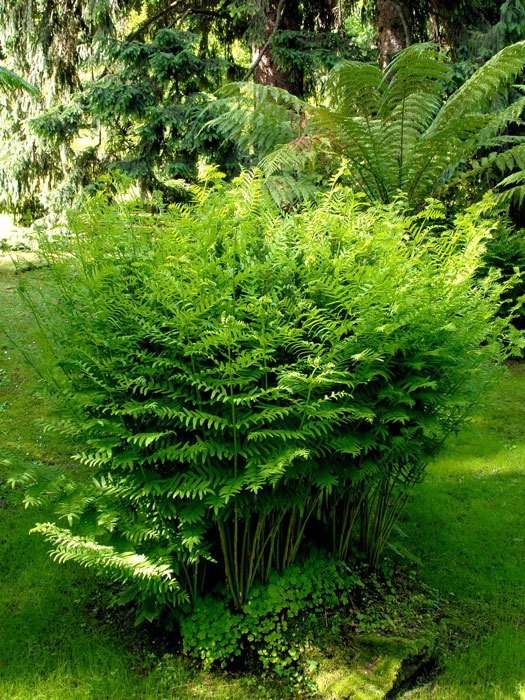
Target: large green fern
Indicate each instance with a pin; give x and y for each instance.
(398, 132)
(242, 382)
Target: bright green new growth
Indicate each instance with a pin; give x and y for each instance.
(244, 382)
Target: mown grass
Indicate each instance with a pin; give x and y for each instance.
(465, 522)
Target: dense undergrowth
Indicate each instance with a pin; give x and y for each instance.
(61, 639)
(246, 384)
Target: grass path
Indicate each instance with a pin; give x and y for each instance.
(466, 522)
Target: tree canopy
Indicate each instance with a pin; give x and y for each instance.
(131, 86)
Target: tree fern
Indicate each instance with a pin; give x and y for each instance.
(413, 141)
(396, 132)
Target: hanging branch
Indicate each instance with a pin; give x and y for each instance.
(10, 81)
(151, 20)
(171, 8)
(278, 15)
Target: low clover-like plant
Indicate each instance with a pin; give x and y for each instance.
(242, 382)
(216, 634)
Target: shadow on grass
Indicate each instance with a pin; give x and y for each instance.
(56, 645)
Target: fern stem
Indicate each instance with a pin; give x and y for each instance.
(227, 564)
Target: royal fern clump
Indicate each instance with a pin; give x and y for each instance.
(244, 382)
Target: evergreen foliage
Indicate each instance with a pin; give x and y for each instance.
(10, 81)
(127, 85)
(482, 43)
(53, 45)
(242, 382)
(147, 109)
(314, 54)
(141, 116)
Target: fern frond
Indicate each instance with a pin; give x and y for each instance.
(355, 88)
(419, 69)
(479, 91)
(152, 573)
(514, 192)
(259, 117)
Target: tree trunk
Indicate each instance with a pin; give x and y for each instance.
(393, 26)
(282, 15)
(434, 29)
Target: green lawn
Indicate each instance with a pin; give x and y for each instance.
(466, 523)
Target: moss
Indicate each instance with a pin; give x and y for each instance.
(370, 667)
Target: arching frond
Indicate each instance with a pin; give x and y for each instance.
(405, 137)
(515, 192)
(419, 69)
(258, 116)
(356, 88)
(396, 132)
(479, 91)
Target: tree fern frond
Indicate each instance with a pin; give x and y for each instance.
(396, 132)
(502, 119)
(504, 161)
(360, 140)
(515, 194)
(290, 155)
(419, 69)
(478, 92)
(258, 116)
(355, 88)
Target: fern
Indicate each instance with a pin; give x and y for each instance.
(239, 378)
(394, 132)
(154, 575)
(411, 140)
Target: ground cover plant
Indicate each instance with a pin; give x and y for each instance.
(465, 524)
(245, 384)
